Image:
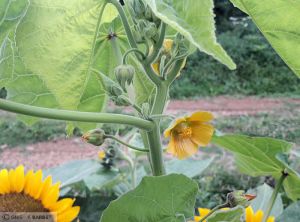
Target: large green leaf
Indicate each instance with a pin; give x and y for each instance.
(258, 156)
(73, 172)
(189, 167)
(263, 196)
(291, 213)
(194, 20)
(48, 49)
(232, 215)
(279, 21)
(156, 199)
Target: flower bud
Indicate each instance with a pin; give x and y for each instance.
(124, 74)
(95, 137)
(239, 197)
(138, 9)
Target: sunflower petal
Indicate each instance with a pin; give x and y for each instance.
(19, 179)
(4, 182)
(271, 219)
(68, 215)
(62, 205)
(258, 216)
(249, 214)
(51, 197)
(46, 187)
(201, 116)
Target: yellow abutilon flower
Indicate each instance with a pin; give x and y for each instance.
(20, 192)
(249, 217)
(188, 133)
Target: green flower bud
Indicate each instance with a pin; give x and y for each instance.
(95, 137)
(124, 74)
(239, 197)
(138, 7)
(151, 30)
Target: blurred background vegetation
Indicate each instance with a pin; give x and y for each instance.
(260, 71)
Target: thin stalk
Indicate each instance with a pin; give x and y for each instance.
(156, 154)
(126, 144)
(214, 210)
(116, 50)
(274, 196)
(125, 22)
(132, 50)
(68, 115)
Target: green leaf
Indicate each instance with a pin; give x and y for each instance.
(263, 195)
(232, 215)
(48, 49)
(156, 199)
(73, 172)
(291, 213)
(258, 156)
(194, 20)
(278, 22)
(101, 179)
(188, 167)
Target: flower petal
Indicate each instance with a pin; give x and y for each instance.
(201, 116)
(202, 133)
(249, 214)
(182, 147)
(168, 131)
(69, 215)
(19, 179)
(4, 182)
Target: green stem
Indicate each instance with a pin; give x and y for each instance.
(158, 45)
(132, 50)
(125, 22)
(214, 210)
(126, 144)
(174, 71)
(274, 196)
(116, 50)
(75, 115)
(156, 154)
(161, 96)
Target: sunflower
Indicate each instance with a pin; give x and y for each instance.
(257, 216)
(20, 192)
(249, 217)
(188, 133)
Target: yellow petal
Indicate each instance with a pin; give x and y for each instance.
(249, 214)
(28, 179)
(271, 219)
(4, 182)
(203, 211)
(51, 197)
(202, 133)
(12, 179)
(19, 179)
(201, 116)
(155, 67)
(182, 148)
(258, 216)
(69, 215)
(37, 185)
(46, 187)
(168, 131)
(62, 205)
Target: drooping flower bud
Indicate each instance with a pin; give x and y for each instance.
(124, 75)
(121, 100)
(95, 137)
(239, 197)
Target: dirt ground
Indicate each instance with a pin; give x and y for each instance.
(53, 153)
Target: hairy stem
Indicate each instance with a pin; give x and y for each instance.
(75, 115)
(156, 154)
(274, 196)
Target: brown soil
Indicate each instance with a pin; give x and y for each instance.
(53, 153)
